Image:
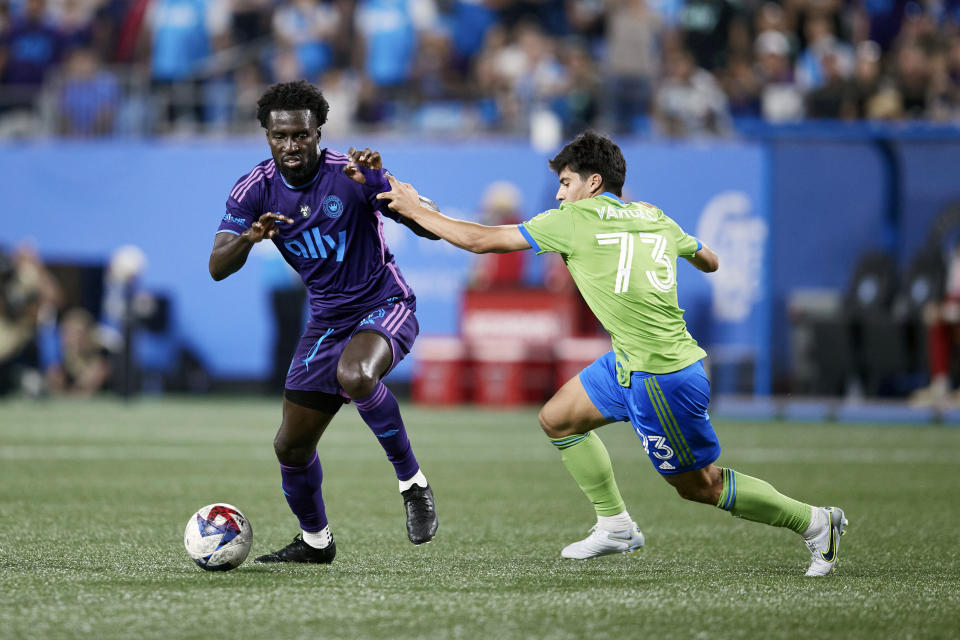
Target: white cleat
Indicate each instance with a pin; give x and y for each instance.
(602, 543)
(825, 548)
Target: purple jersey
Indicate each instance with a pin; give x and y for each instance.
(336, 241)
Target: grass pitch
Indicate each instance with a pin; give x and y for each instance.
(94, 497)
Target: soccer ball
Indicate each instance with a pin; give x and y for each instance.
(218, 537)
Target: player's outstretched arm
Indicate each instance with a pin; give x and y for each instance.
(417, 229)
(473, 237)
(230, 252)
(372, 160)
(705, 260)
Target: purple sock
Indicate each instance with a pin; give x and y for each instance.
(301, 486)
(382, 414)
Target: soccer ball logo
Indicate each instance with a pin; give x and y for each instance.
(218, 537)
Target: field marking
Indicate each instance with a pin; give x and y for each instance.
(362, 451)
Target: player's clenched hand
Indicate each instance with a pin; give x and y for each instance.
(402, 197)
(359, 160)
(366, 158)
(265, 226)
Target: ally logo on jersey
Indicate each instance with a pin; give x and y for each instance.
(311, 244)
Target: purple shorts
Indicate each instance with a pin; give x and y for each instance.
(314, 364)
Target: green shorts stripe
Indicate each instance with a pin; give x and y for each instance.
(682, 441)
(669, 423)
(677, 437)
(664, 421)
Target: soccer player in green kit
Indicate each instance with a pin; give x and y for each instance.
(622, 257)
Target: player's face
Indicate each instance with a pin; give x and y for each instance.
(573, 187)
(293, 137)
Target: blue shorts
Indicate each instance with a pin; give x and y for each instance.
(314, 363)
(668, 412)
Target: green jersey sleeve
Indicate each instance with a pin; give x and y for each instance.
(550, 231)
(687, 245)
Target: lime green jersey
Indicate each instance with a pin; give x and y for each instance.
(622, 256)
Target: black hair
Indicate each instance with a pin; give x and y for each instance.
(591, 153)
(292, 96)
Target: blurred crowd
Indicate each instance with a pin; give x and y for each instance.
(55, 339)
(43, 344)
(683, 67)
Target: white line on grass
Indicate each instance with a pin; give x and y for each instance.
(362, 451)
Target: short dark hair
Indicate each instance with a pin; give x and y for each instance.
(591, 153)
(292, 96)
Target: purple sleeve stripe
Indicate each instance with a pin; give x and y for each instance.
(250, 176)
(236, 233)
(266, 174)
(260, 170)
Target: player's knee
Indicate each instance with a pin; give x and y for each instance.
(290, 452)
(356, 379)
(694, 494)
(703, 492)
(553, 423)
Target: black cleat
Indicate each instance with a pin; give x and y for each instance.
(421, 514)
(300, 551)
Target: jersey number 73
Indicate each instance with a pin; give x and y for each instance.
(657, 254)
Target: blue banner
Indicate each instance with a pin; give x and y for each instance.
(81, 201)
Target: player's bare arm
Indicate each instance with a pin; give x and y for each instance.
(476, 238)
(230, 251)
(705, 260)
(416, 228)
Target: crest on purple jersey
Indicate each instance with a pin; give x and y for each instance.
(333, 206)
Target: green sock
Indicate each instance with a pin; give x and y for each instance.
(753, 499)
(588, 462)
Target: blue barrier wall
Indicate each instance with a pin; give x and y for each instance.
(835, 199)
(782, 215)
(930, 171)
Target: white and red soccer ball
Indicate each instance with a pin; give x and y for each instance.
(218, 537)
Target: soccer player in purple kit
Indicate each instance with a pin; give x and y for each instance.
(319, 208)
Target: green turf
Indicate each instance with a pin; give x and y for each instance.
(94, 497)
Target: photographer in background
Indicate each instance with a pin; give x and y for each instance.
(83, 366)
(28, 295)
